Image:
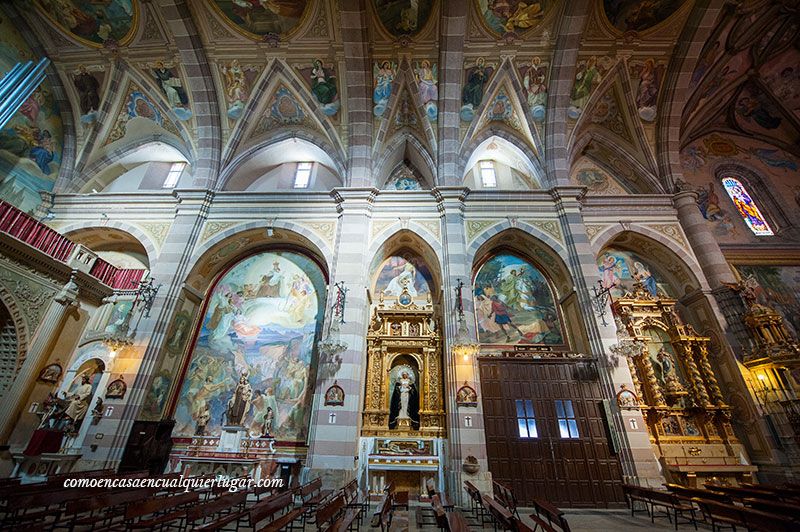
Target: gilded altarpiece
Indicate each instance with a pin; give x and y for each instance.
(403, 334)
(679, 396)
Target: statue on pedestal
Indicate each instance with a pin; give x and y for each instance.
(404, 408)
(239, 403)
(79, 402)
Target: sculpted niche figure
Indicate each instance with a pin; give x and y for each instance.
(239, 403)
(405, 402)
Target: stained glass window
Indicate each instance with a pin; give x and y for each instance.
(747, 207)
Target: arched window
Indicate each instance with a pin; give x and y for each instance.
(746, 206)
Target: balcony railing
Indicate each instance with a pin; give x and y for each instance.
(34, 233)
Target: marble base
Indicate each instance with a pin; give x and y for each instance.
(230, 440)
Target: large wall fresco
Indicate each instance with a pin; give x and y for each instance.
(261, 322)
(636, 15)
(93, 23)
(779, 288)
(620, 270)
(514, 303)
(403, 17)
(31, 142)
(261, 19)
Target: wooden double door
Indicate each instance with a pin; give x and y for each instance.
(546, 433)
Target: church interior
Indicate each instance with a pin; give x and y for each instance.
(402, 264)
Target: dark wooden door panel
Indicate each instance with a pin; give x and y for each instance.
(570, 472)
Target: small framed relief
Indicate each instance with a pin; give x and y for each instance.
(466, 396)
(116, 389)
(626, 399)
(51, 373)
(335, 395)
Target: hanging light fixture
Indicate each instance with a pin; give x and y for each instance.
(463, 347)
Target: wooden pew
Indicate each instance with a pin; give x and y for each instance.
(328, 512)
(312, 495)
(383, 516)
(545, 510)
(476, 502)
(101, 510)
(792, 511)
(354, 498)
(501, 516)
(506, 497)
(159, 511)
(732, 515)
(279, 510)
(217, 512)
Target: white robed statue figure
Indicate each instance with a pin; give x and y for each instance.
(79, 400)
(404, 407)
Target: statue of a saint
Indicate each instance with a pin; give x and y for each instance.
(405, 402)
(239, 403)
(202, 420)
(79, 402)
(269, 419)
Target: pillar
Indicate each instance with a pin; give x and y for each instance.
(41, 345)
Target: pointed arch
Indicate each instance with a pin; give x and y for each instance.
(278, 72)
(470, 151)
(394, 153)
(414, 240)
(324, 152)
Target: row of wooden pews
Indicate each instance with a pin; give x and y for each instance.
(501, 511)
(754, 507)
(49, 506)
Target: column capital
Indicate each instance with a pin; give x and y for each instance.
(684, 197)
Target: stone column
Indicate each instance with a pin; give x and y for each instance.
(333, 443)
(42, 343)
(636, 453)
(462, 440)
(702, 240)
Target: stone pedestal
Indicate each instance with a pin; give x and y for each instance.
(230, 440)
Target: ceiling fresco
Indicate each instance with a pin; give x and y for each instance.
(403, 17)
(93, 23)
(639, 15)
(258, 19)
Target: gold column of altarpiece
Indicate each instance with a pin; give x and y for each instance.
(689, 412)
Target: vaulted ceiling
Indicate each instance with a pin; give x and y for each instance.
(392, 87)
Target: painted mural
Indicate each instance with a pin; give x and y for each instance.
(475, 80)
(93, 23)
(88, 83)
(31, 142)
(620, 270)
(514, 303)
(646, 80)
(257, 19)
(779, 288)
(596, 181)
(534, 82)
(138, 106)
(404, 271)
(260, 326)
(588, 75)
(403, 17)
(168, 79)
(321, 78)
(509, 16)
(383, 74)
(774, 167)
(427, 77)
(639, 15)
(239, 80)
(783, 79)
